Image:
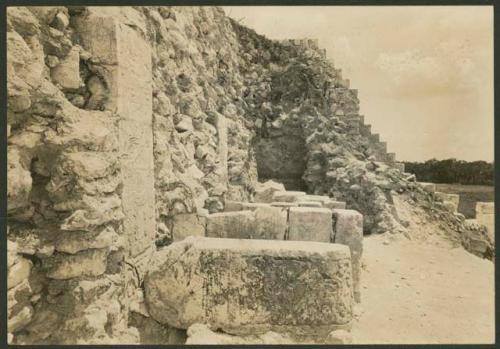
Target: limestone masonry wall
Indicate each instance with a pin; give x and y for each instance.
(130, 128)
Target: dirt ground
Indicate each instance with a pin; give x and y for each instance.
(423, 292)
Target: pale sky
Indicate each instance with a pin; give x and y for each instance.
(424, 74)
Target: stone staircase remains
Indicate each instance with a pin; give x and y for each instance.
(282, 263)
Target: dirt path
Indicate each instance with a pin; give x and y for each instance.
(424, 292)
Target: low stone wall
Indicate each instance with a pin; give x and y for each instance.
(485, 215)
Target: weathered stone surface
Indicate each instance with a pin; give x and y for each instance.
(67, 72)
(309, 204)
(18, 272)
(323, 199)
(237, 225)
(310, 224)
(270, 223)
(230, 206)
(21, 319)
(349, 231)
(264, 191)
(86, 263)
(201, 334)
(18, 180)
(335, 204)
(485, 207)
(288, 196)
(485, 215)
(339, 337)
(454, 199)
(284, 204)
(89, 165)
(429, 187)
(252, 286)
(188, 224)
(72, 243)
(252, 206)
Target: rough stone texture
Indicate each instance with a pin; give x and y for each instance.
(87, 263)
(349, 231)
(18, 272)
(454, 199)
(429, 187)
(317, 198)
(288, 196)
(309, 204)
(485, 215)
(201, 334)
(270, 223)
(310, 224)
(237, 225)
(339, 337)
(264, 191)
(67, 72)
(285, 204)
(252, 286)
(335, 204)
(188, 224)
(230, 206)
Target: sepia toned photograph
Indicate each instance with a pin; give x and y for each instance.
(249, 175)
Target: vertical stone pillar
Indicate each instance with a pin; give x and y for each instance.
(135, 110)
(124, 60)
(349, 231)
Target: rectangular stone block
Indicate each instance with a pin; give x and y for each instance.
(230, 206)
(264, 191)
(317, 198)
(335, 204)
(288, 196)
(485, 207)
(485, 215)
(252, 206)
(454, 199)
(252, 286)
(188, 224)
(349, 231)
(310, 204)
(284, 204)
(270, 223)
(310, 224)
(89, 263)
(237, 225)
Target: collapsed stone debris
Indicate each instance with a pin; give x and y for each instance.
(150, 147)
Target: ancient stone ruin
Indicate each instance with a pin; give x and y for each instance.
(173, 175)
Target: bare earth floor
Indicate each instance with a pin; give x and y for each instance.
(424, 292)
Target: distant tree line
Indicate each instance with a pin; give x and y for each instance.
(452, 171)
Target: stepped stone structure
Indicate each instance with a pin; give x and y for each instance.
(136, 134)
